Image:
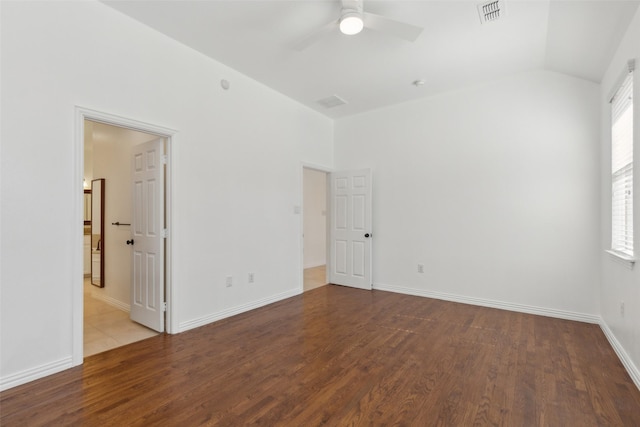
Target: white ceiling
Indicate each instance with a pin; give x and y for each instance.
(372, 70)
(96, 132)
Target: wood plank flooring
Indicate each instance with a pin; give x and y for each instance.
(338, 356)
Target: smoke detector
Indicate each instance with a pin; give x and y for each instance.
(491, 11)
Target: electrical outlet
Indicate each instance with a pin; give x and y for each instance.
(229, 281)
(622, 309)
(420, 268)
(251, 277)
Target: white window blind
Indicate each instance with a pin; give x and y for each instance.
(622, 167)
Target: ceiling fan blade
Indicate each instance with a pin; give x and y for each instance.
(389, 26)
(315, 36)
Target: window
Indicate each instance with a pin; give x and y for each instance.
(622, 166)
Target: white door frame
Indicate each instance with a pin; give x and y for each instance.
(77, 298)
(326, 170)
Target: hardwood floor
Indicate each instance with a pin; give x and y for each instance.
(339, 356)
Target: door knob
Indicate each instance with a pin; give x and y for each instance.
(367, 235)
(130, 242)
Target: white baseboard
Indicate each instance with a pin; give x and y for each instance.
(32, 374)
(520, 308)
(112, 302)
(631, 368)
(201, 321)
(66, 363)
(314, 264)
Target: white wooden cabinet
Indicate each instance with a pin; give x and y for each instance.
(95, 271)
(87, 254)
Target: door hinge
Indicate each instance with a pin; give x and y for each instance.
(164, 233)
(164, 306)
(163, 159)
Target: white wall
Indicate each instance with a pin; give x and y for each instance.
(619, 282)
(493, 188)
(315, 217)
(236, 178)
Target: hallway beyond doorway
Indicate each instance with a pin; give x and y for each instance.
(315, 277)
(107, 327)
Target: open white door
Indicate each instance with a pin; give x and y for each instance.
(147, 284)
(350, 228)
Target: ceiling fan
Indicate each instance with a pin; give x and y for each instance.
(353, 19)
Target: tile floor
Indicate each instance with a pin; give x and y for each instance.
(315, 277)
(107, 327)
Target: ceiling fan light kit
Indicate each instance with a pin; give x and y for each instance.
(351, 23)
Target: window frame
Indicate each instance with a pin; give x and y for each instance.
(622, 197)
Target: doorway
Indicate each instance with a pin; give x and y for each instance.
(107, 322)
(345, 223)
(314, 199)
(105, 144)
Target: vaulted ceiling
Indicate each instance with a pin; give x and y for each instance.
(372, 69)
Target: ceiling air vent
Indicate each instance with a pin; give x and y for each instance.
(491, 11)
(332, 101)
